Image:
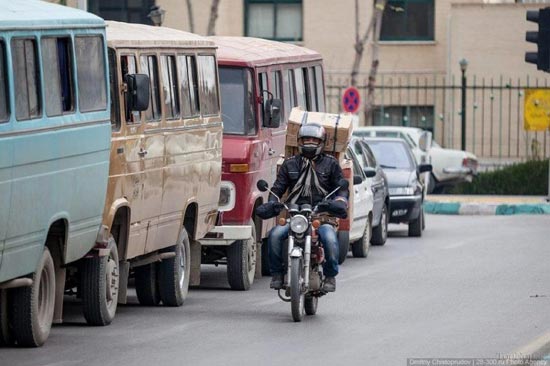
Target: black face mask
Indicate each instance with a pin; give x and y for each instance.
(309, 151)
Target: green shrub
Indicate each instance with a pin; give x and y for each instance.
(529, 178)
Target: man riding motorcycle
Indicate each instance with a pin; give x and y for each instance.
(308, 177)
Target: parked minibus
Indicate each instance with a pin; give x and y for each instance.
(166, 156)
(54, 164)
(257, 77)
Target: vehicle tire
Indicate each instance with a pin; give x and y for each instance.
(360, 248)
(415, 226)
(297, 297)
(423, 220)
(431, 184)
(174, 273)
(32, 307)
(5, 334)
(265, 259)
(380, 232)
(147, 286)
(343, 248)
(241, 262)
(310, 305)
(99, 284)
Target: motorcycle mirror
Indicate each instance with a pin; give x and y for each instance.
(343, 183)
(262, 185)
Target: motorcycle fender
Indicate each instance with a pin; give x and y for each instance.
(296, 252)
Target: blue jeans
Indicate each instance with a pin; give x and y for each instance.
(328, 237)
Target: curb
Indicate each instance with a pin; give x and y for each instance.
(458, 208)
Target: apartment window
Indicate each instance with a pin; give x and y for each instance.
(28, 103)
(57, 63)
(409, 116)
(90, 60)
(408, 20)
(129, 11)
(274, 19)
(4, 101)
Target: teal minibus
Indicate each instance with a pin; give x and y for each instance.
(55, 134)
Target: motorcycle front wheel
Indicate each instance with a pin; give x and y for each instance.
(296, 293)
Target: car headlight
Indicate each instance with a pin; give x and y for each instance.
(298, 224)
(401, 191)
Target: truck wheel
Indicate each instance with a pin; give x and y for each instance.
(99, 286)
(174, 273)
(360, 248)
(415, 226)
(5, 334)
(241, 262)
(146, 283)
(265, 259)
(32, 307)
(380, 232)
(343, 241)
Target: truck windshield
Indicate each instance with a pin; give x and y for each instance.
(237, 94)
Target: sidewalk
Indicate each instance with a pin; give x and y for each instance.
(485, 205)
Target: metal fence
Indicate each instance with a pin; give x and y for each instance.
(494, 111)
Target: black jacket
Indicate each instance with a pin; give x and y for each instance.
(328, 172)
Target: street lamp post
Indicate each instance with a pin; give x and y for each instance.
(463, 66)
(156, 15)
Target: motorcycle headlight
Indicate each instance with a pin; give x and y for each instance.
(298, 224)
(401, 191)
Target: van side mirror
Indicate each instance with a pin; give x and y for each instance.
(272, 113)
(425, 141)
(137, 96)
(422, 168)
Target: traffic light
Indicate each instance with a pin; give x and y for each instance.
(541, 58)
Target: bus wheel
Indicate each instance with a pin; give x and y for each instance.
(174, 273)
(99, 286)
(146, 282)
(241, 262)
(32, 307)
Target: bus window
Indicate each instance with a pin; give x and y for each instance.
(208, 89)
(90, 61)
(311, 90)
(27, 79)
(113, 85)
(300, 87)
(170, 87)
(320, 88)
(4, 102)
(57, 64)
(287, 95)
(277, 90)
(128, 65)
(262, 79)
(238, 101)
(291, 89)
(149, 66)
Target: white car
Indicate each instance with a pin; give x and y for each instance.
(449, 166)
(363, 202)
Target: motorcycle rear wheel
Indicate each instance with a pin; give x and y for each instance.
(311, 304)
(297, 296)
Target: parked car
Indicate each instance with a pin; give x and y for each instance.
(405, 187)
(361, 223)
(449, 166)
(379, 186)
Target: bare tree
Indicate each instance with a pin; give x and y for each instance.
(190, 17)
(213, 17)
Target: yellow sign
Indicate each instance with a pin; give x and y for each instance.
(536, 112)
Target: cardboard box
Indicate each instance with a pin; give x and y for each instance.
(339, 127)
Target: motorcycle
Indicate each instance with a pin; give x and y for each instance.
(303, 283)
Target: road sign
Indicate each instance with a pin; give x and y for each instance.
(536, 110)
(351, 100)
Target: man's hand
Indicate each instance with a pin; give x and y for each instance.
(337, 208)
(269, 210)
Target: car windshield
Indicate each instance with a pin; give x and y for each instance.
(391, 154)
(237, 97)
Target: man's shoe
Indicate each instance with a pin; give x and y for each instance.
(330, 284)
(276, 281)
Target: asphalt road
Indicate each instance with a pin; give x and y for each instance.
(470, 287)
